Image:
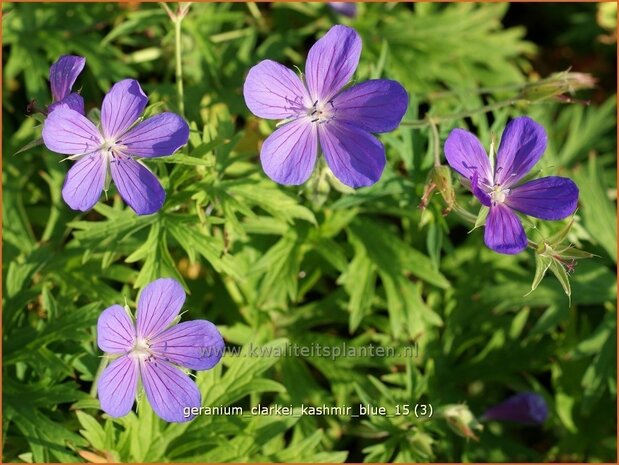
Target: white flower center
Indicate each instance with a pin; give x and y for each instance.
(321, 112)
(111, 146)
(141, 349)
(112, 152)
(498, 194)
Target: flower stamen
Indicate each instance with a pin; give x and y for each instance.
(321, 113)
(141, 349)
(498, 194)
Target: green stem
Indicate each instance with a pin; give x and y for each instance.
(436, 142)
(434, 120)
(465, 214)
(480, 90)
(179, 64)
(165, 6)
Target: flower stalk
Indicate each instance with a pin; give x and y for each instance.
(557, 87)
(435, 120)
(177, 19)
(179, 66)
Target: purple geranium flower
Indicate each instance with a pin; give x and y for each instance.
(522, 145)
(320, 112)
(526, 407)
(110, 150)
(62, 76)
(348, 9)
(152, 350)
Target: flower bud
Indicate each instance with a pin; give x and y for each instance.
(461, 420)
(440, 179)
(558, 256)
(556, 86)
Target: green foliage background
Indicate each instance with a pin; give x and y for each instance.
(272, 265)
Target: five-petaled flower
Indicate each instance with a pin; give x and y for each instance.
(110, 150)
(62, 75)
(522, 145)
(152, 350)
(320, 112)
(528, 408)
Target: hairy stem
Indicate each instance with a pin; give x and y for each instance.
(177, 19)
(434, 120)
(179, 64)
(518, 87)
(465, 214)
(436, 142)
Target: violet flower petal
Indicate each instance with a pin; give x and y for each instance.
(68, 132)
(289, 154)
(273, 91)
(118, 386)
(197, 345)
(522, 145)
(525, 407)
(168, 389)
(504, 232)
(550, 198)
(137, 185)
(466, 155)
(158, 136)
(122, 106)
(158, 306)
(481, 195)
(377, 105)
(331, 62)
(355, 156)
(74, 101)
(115, 330)
(63, 74)
(84, 182)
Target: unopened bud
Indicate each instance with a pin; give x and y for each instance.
(556, 86)
(440, 179)
(461, 420)
(557, 248)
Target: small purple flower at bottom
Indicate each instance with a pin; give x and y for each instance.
(321, 113)
(109, 151)
(62, 75)
(522, 145)
(152, 350)
(348, 9)
(526, 407)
